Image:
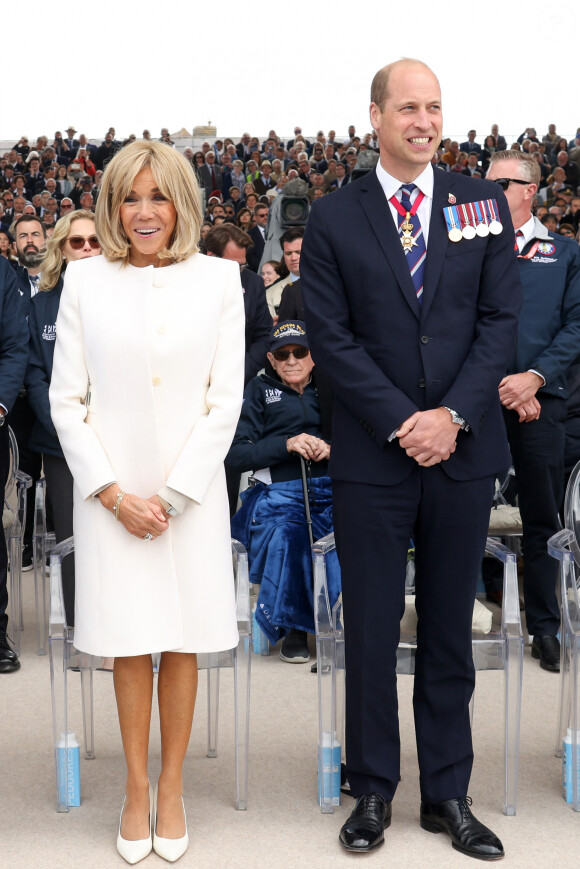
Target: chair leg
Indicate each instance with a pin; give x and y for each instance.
(330, 691)
(213, 695)
(14, 596)
(565, 693)
(242, 666)
(574, 721)
(86, 665)
(513, 674)
(58, 658)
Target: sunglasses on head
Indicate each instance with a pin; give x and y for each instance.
(298, 353)
(504, 183)
(77, 242)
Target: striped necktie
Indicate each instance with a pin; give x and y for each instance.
(416, 254)
(519, 234)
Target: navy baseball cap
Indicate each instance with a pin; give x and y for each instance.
(288, 332)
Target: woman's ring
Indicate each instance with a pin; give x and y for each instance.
(148, 536)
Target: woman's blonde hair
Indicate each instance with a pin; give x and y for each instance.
(53, 262)
(176, 181)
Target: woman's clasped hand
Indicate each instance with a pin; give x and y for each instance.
(139, 516)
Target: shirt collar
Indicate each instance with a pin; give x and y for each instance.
(528, 230)
(390, 184)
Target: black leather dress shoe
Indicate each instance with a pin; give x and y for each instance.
(468, 835)
(547, 649)
(364, 829)
(8, 657)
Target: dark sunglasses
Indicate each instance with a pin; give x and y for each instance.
(282, 355)
(504, 183)
(77, 242)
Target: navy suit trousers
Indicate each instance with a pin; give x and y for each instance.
(538, 455)
(448, 521)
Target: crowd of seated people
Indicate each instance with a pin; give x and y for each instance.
(49, 179)
(241, 179)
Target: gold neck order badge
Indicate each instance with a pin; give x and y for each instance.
(407, 240)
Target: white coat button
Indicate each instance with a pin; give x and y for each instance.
(158, 281)
(156, 381)
(162, 328)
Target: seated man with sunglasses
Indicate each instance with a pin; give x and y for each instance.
(280, 427)
(534, 391)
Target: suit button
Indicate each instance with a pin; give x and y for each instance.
(161, 329)
(421, 384)
(424, 339)
(156, 381)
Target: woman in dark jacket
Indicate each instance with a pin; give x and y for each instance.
(73, 238)
(281, 424)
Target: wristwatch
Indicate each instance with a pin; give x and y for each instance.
(2, 419)
(456, 418)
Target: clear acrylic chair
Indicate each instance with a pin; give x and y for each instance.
(13, 519)
(42, 543)
(63, 656)
(500, 649)
(565, 547)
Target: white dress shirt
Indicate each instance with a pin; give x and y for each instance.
(423, 183)
(528, 231)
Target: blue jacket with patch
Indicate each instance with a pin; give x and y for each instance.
(548, 337)
(272, 413)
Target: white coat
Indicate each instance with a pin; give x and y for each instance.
(146, 390)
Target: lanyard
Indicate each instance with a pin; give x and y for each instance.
(531, 252)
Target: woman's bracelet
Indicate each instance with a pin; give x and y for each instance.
(117, 504)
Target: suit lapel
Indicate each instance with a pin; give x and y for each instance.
(437, 246)
(379, 214)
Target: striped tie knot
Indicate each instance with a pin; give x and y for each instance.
(412, 239)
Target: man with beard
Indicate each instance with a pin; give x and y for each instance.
(30, 239)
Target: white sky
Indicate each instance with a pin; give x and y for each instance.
(178, 64)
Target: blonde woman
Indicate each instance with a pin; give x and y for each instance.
(145, 396)
(73, 239)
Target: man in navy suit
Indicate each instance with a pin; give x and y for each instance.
(13, 359)
(258, 236)
(471, 145)
(418, 437)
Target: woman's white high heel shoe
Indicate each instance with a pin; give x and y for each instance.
(137, 849)
(169, 849)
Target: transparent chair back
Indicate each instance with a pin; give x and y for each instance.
(500, 649)
(14, 516)
(63, 656)
(565, 547)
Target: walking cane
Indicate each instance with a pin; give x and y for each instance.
(306, 501)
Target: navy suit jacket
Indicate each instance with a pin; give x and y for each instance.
(258, 323)
(13, 336)
(254, 254)
(384, 355)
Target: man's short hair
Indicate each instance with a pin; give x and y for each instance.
(529, 166)
(219, 236)
(27, 218)
(292, 234)
(380, 83)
